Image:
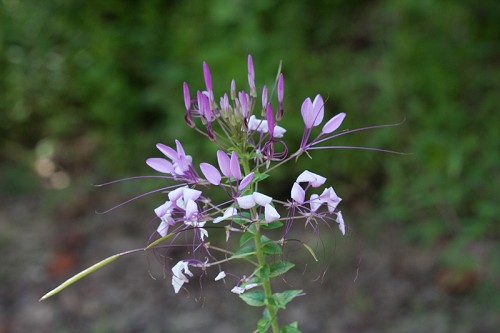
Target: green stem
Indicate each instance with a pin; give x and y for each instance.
(266, 283)
(261, 258)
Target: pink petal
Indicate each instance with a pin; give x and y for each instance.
(210, 173)
(251, 73)
(207, 76)
(281, 88)
(235, 166)
(333, 123)
(224, 163)
(167, 151)
(307, 115)
(318, 110)
(160, 164)
(187, 96)
(298, 193)
(245, 181)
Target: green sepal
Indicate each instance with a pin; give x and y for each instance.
(282, 299)
(279, 268)
(291, 328)
(254, 298)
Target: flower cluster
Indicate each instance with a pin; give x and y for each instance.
(249, 146)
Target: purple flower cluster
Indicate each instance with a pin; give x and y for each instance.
(248, 148)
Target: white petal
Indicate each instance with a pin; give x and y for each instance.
(191, 209)
(279, 131)
(162, 228)
(270, 213)
(246, 201)
(191, 194)
(220, 276)
(340, 221)
(238, 290)
(231, 211)
(261, 199)
(315, 202)
(176, 194)
(298, 193)
(313, 179)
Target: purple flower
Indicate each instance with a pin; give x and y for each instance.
(180, 165)
(312, 112)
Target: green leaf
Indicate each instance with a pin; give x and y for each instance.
(279, 268)
(254, 298)
(80, 275)
(242, 218)
(282, 299)
(308, 248)
(265, 322)
(270, 247)
(291, 328)
(245, 237)
(272, 225)
(244, 251)
(264, 272)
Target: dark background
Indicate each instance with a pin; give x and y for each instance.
(87, 88)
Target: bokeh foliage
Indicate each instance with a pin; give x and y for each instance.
(108, 75)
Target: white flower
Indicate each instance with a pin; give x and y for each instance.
(178, 277)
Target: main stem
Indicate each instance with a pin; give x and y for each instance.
(266, 283)
(261, 258)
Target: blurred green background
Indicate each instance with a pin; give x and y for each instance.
(89, 87)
